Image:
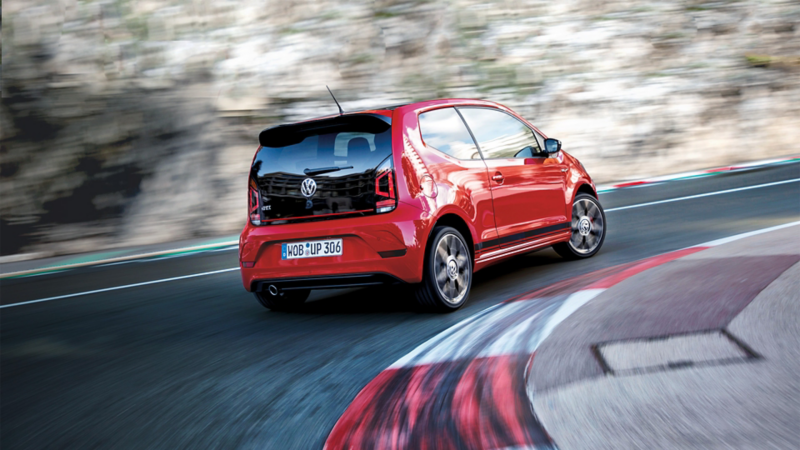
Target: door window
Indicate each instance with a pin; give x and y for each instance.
(500, 135)
(444, 130)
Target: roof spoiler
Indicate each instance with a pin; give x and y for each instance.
(285, 135)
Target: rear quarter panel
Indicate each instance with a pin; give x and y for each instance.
(462, 187)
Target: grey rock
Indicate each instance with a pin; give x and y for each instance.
(120, 112)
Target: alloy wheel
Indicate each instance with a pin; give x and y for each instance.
(587, 226)
(452, 268)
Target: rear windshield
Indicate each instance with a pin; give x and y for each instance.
(361, 150)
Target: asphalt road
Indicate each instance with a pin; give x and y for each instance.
(197, 363)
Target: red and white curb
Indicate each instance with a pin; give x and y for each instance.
(467, 386)
(698, 173)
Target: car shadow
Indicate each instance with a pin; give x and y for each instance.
(499, 280)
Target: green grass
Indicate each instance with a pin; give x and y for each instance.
(758, 60)
(290, 30)
(362, 58)
(673, 35)
(330, 15)
(383, 14)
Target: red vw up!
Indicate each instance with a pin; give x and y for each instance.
(424, 194)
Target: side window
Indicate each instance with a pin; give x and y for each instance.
(500, 135)
(444, 130)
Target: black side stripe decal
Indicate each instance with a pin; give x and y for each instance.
(524, 235)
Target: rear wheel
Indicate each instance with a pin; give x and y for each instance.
(284, 300)
(588, 229)
(447, 276)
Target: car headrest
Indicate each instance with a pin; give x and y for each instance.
(357, 150)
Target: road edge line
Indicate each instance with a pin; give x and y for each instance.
(116, 288)
(118, 259)
(697, 173)
(705, 194)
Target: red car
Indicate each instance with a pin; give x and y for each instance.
(424, 194)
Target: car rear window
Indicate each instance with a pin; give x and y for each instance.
(362, 150)
(323, 169)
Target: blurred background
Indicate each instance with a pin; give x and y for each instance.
(134, 122)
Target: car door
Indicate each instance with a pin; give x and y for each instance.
(460, 165)
(527, 186)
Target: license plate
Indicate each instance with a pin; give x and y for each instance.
(311, 249)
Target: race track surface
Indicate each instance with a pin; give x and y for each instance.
(197, 363)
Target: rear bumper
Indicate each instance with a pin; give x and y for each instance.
(326, 282)
(376, 249)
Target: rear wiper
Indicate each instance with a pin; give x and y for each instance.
(321, 170)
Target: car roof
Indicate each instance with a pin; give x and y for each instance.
(413, 106)
(403, 108)
(439, 102)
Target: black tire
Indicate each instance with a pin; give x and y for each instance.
(284, 301)
(457, 279)
(586, 212)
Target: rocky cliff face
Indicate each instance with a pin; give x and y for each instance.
(127, 122)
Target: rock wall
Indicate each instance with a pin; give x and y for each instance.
(129, 122)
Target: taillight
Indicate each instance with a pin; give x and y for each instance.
(385, 197)
(254, 203)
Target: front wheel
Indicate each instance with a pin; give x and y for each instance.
(447, 274)
(588, 229)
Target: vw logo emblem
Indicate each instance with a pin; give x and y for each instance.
(584, 226)
(308, 188)
(452, 269)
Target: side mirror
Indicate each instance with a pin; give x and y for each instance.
(552, 146)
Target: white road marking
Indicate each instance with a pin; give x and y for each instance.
(573, 302)
(116, 288)
(416, 354)
(736, 237)
(526, 324)
(707, 194)
(225, 249)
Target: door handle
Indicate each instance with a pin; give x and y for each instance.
(498, 178)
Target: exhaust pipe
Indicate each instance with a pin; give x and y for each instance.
(273, 289)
